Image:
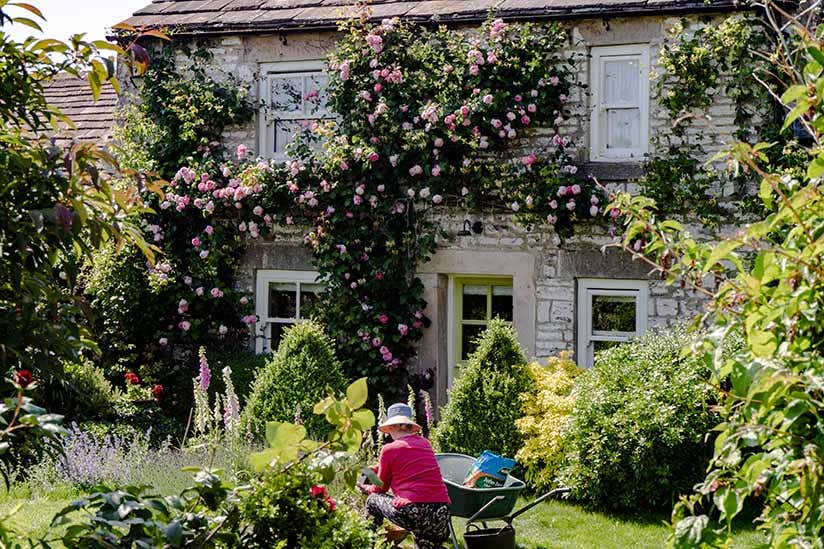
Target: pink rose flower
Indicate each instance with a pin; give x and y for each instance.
(403, 329)
(244, 300)
(209, 230)
(242, 151)
(195, 242)
(488, 99)
(184, 325)
(383, 318)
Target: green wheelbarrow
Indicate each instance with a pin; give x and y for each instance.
(483, 504)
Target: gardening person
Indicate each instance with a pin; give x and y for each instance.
(407, 466)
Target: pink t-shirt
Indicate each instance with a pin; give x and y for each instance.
(408, 467)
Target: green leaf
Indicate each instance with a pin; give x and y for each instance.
(281, 435)
(363, 419)
(799, 110)
(816, 167)
(793, 93)
(719, 252)
(357, 393)
(260, 461)
(174, 532)
(816, 54)
(690, 531)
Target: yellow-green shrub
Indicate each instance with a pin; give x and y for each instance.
(547, 414)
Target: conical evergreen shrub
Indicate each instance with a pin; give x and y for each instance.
(485, 401)
(298, 375)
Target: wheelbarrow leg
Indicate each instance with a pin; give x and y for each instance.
(452, 534)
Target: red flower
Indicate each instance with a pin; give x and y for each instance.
(132, 378)
(23, 378)
(158, 391)
(332, 504)
(318, 492)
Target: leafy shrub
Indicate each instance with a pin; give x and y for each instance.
(548, 413)
(126, 310)
(245, 367)
(296, 377)
(485, 401)
(82, 392)
(638, 437)
(143, 417)
(291, 510)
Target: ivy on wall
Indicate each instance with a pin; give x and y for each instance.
(698, 65)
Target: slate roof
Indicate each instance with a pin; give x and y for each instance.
(259, 16)
(94, 119)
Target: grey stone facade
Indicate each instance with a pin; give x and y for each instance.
(544, 269)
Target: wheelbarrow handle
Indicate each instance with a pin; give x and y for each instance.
(555, 492)
(489, 504)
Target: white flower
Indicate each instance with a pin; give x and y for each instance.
(425, 192)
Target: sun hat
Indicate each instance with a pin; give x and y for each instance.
(398, 414)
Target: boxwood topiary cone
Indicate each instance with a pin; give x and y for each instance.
(298, 376)
(486, 399)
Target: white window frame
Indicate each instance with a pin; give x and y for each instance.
(454, 283)
(589, 287)
(598, 128)
(263, 328)
(267, 118)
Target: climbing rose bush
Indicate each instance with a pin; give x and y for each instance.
(426, 119)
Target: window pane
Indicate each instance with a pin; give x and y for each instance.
(474, 301)
(316, 97)
(623, 128)
(286, 130)
(277, 334)
(599, 346)
(287, 94)
(613, 313)
(622, 82)
(283, 299)
(502, 302)
(469, 332)
(309, 298)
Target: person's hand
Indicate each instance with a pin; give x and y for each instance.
(362, 487)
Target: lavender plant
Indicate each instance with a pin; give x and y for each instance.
(88, 460)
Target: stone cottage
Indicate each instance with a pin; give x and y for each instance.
(558, 294)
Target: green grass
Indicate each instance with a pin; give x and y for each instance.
(559, 525)
(32, 512)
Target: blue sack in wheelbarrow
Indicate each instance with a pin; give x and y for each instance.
(489, 471)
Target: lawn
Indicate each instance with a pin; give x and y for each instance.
(550, 525)
(557, 524)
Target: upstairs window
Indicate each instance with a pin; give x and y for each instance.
(294, 97)
(609, 312)
(619, 127)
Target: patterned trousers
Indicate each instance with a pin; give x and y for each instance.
(428, 522)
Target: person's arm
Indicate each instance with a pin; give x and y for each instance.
(384, 472)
